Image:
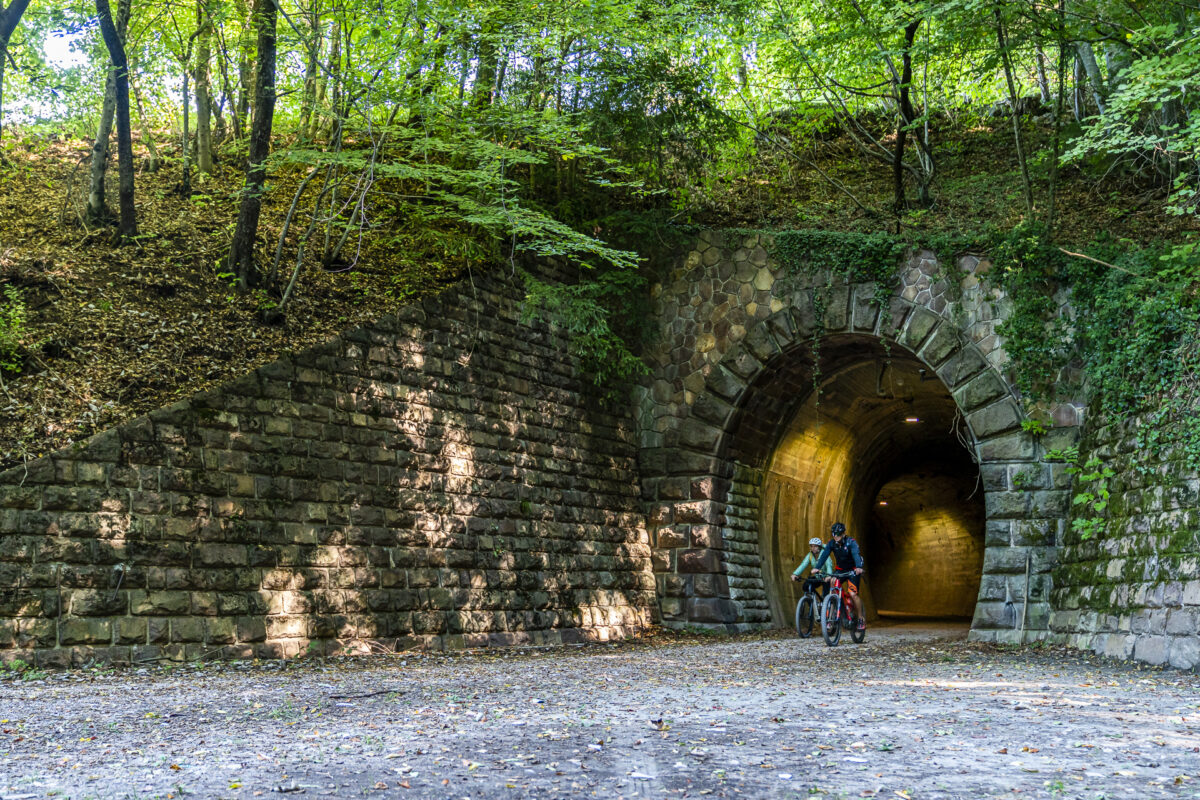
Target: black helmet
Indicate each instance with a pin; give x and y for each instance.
(838, 529)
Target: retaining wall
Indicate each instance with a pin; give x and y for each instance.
(442, 478)
(1132, 589)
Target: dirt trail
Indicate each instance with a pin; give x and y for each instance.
(915, 712)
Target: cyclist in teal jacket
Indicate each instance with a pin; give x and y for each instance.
(811, 583)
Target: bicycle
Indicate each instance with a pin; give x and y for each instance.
(806, 610)
(837, 612)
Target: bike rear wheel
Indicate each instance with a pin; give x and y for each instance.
(858, 634)
(806, 613)
(831, 622)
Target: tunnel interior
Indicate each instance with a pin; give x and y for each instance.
(880, 447)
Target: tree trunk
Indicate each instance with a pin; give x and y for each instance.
(9, 17)
(204, 157)
(1059, 101)
(114, 41)
(1077, 96)
(1006, 61)
(1043, 82)
(485, 73)
(245, 63)
(906, 116)
(97, 205)
(1088, 59)
(147, 137)
(312, 68)
(186, 184)
(241, 252)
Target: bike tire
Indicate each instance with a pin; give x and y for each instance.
(805, 617)
(858, 635)
(831, 620)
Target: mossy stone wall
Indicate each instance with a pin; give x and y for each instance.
(1132, 590)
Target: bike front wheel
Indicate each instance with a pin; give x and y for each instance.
(805, 616)
(831, 622)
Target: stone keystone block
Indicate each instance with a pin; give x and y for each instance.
(866, 312)
(699, 561)
(837, 310)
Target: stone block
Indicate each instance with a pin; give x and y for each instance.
(698, 561)
(865, 311)
(961, 366)
(130, 630)
(187, 629)
(1018, 446)
(98, 602)
(725, 383)
(1000, 417)
(1185, 652)
(942, 343)
(699, 435)
(711, 610)
(1152, 649)
(837, 308)
(1182, 622)
(1007, 505)
(1005, 560)
(920, 323)
(159, 603)
(712, 409)
(85, 631)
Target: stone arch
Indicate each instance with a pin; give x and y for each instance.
(704, 517)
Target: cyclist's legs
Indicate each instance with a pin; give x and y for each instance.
(815, 586)
(852, 587)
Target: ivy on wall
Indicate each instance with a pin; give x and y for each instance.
(1132, 334)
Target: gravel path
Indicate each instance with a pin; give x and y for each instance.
(915, 712)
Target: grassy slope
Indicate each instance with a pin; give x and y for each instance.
(115, 332)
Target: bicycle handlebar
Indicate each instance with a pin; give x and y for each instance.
(848, 574)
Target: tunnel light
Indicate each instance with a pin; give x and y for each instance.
(883, 502)
(912, 419)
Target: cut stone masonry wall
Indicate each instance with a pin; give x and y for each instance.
(442, 478)
(1132, 590)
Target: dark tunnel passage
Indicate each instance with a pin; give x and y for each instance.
(882, 448)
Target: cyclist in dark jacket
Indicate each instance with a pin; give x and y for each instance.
(846, 555)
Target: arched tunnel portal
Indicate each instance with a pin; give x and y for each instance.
(873, 439)
(896, 424)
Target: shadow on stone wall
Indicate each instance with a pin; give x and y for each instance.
(440, 479)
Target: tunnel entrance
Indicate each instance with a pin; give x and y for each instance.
(881, 447)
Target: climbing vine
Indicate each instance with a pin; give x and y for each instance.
(1132, 331)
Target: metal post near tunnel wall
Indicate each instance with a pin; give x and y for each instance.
(730, 322)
